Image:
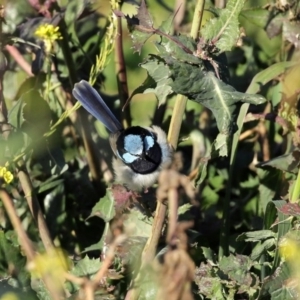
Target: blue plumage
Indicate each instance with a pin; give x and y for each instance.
(140, 152)
(94, 104)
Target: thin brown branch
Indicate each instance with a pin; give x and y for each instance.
(151, 245)
(34, 206)
(55, 292)
(173, 214)
(16, 222)
(109, 257)
(121, 74)
(20, 60)
(91, 153)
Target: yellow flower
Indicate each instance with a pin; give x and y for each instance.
(9, 296)
(6, 175)
(48, 33)
(53, 264)
(289, 249)
(2, 171)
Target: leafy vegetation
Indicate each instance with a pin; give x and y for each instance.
(223, 220)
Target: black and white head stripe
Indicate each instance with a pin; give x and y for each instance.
(94, 104)
(138, 148)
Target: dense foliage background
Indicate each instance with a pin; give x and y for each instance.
(222, 79)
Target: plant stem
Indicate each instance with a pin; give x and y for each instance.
(296, 190)
(34, 206)
(25, 242)
(197, 19)
(16, 222)
(92, 155)
(121, 74)
(173, 135)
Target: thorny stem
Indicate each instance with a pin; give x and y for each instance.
(173, 135)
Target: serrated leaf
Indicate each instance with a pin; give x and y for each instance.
(222, 99)
(86, 267)
(207, 282)
(105, 207)
(140, 26)
(180, 47)
(287, 162)
(224, 30)
(237, 268)
(158, 81)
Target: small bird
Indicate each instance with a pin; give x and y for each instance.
(140, 152)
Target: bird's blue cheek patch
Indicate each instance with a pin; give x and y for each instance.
(133, 144)
(128, 158)
(148, 142)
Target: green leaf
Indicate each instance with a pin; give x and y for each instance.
(208, 283)
(275, 285)
(224, 30)
(12, 259)
(184, 208)
(270, 182)
(288, 162)
(222, 99)
(41, 290)
(237, 268)
(157, 82)
(283, 227)
(257, 16)
(140, 26)
(51, 183)
(137, 224)
(86, 267)
(105, 207)
(179, 47)
(209, 255)
(16, 115)
(269, 74)
(255, 236)
(261, 247)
